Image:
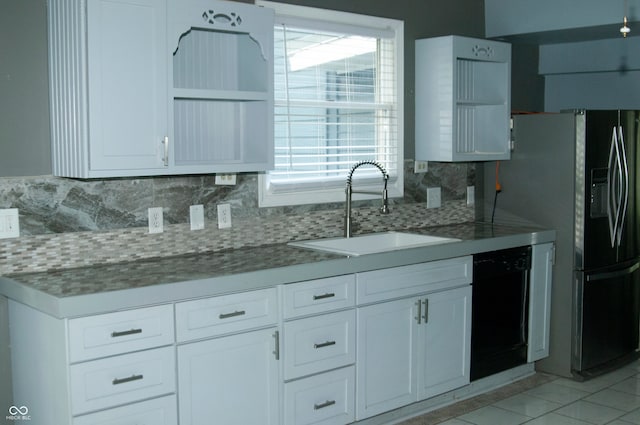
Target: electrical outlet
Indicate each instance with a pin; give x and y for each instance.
(420, 167)
(9, 223)
(433, 197)
(225, 179)
(224, 216)
(196, 217)
(155, 220)
(471, 195)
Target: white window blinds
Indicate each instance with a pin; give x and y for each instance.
(336, 103)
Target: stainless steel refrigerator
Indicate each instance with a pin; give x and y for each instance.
(579, 173)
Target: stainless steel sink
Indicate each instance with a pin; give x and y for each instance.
(372, 243)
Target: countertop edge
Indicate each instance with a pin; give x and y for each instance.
(103, 302)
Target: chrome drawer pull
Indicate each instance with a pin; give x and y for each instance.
(118, 381)
(323, 405)
(234, 314)
(125, 333)
(323, 296)
(324, 344)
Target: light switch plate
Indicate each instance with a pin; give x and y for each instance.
(196, 217)
(433, 197)
(224, 216)
(471, 195)
(155, 220)
(9, 223)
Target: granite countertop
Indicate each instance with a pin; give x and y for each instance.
(103, 288)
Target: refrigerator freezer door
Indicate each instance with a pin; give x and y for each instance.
(607, 318)
(629, 246)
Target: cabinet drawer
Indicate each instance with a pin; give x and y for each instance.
(319, 343)
(120, 332)
(325, 399)
(226, 314)
(159, 411)
(104, 383)
(397, 282)
(319, 296)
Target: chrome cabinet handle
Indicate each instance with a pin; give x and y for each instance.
(324, 344)
(116, 334)
(234, 314)
(426, 310)
(323, 405)
(165, 159)
(419, 316)
(323, 296)
(118, 381)
(276, 351)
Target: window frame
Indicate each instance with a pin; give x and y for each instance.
(326, 19)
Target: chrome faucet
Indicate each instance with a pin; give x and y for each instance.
(384, 209)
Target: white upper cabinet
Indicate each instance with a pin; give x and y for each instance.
(463, 99)
(151, 87)
(108, 83)
(222, 88)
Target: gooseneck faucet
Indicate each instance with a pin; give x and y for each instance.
(384, 209)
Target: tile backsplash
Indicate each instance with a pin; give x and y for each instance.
(70, 223)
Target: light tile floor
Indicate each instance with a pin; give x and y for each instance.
(543, 399)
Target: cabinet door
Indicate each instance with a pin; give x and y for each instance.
(444, 342)
(385, 357)
(128, 87)
(231, 380)
(462, 84)
(540, 301)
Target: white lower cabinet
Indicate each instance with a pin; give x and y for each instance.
(444, 342)
(159, 411)
(232, 377)
(324, 399)
(118, 380)
(324, 352)
(412, 348)
(319, 351)
(386, 373)
(541, 280)
(229, 380)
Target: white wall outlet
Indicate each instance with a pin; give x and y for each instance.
(9, 223)
(224, 216)
(155, 220)
(196, 217)
(420, 167)
(433, 197)
(471, 195)
(225, 179)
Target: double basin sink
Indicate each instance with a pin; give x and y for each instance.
(372, 243)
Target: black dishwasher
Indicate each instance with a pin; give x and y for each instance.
(499, 318)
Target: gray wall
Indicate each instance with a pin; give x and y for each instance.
(24, 98)
(601, 74)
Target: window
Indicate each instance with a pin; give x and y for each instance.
(338, 100)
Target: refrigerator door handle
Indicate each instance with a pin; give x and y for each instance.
(625, 184)
(613, 201)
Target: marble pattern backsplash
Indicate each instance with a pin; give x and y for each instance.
(69, 223)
